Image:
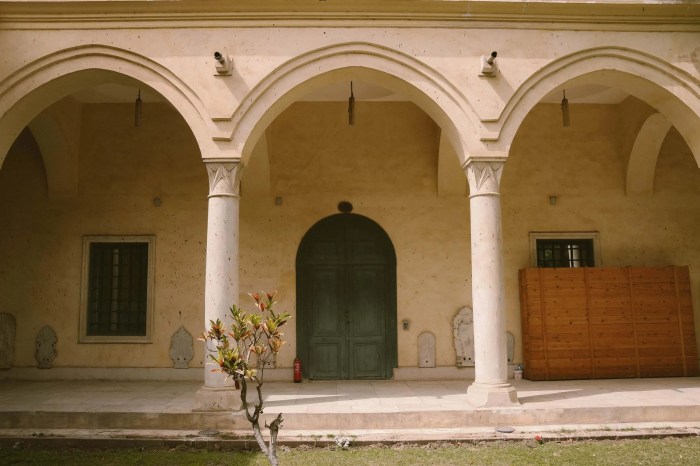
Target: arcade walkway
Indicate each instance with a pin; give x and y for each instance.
(369, 411)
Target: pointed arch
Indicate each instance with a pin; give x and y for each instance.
(392, 69)
(44, 81)
(645, 153)
(670, 90)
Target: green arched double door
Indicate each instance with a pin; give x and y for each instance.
(346, 300)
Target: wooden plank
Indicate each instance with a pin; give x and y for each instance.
(558, 321)
(606, 332)
(615, 352)
(616, 373)
(567, 345)
(680, 323)
(586, 273)
(566, 329)
(624, 364)
(569, 363)
(544, 331)
(608, 275)
(581, 353)
(633, 319)
(662, 371)
(658, 360)
(611, 320)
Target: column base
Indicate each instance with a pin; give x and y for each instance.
(217, 399)
(501, 395)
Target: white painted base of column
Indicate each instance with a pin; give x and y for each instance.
(502, 395)
(217, 399)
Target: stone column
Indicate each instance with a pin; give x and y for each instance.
(490, 387)
(221, 286)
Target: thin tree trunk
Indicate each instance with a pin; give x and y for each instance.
(274, 430)
(271, 451)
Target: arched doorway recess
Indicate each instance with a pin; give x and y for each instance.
(346, 300)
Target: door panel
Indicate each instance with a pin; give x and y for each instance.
(326, 360)
(366, 300)
(366, 360)
(367, 334)
(346, 300)
(327, 323)
(327, 310)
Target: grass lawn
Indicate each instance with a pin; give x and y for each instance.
(602, 452)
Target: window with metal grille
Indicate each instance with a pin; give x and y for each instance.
(117, 280)
(565, 253)
(565, 249)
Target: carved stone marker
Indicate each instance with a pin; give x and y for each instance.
(464, 337)
(8, 329)
(46, 351)
(511, 346)
(426, 350)
(181, 350)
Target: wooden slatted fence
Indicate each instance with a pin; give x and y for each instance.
(594, 323)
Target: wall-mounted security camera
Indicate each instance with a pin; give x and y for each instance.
(224, 64)
(489, 66)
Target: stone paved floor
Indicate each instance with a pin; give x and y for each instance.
(345, 396)
(51, 412)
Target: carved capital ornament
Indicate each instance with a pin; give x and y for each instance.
(484, 176)
(224, 178)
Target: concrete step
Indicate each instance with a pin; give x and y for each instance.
(340, 421)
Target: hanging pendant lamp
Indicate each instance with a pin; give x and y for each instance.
(137, 110)
(351, 107)
(565, 111)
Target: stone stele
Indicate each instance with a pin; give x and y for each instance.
(464, 337)
(426, 350)
(46, 352)
(181, 350)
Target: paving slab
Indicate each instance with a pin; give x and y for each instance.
(367, 410)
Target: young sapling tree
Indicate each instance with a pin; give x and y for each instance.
(243, 351)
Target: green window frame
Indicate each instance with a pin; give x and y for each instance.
(117, 289)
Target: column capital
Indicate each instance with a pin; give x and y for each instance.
(484, 175)
(224, 177)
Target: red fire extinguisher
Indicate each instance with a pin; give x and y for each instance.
(297, 370)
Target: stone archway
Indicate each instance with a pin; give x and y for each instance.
(672, 91)
(42, 82)
(424, 86)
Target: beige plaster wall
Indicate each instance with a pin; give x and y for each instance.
(121, 170)
(386, 165)
(449, 51)
(585, 167)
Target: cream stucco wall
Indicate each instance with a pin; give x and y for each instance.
(585, 167)
(439, 55)
(386, 165)
(121, 170)
(90, 172)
